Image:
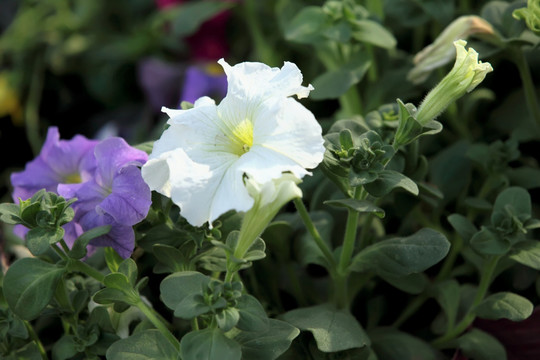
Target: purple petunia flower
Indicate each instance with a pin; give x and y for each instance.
(67, 162)
(116, 195)
(207, 80)
(104, 177)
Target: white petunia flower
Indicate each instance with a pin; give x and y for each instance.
(257, 130)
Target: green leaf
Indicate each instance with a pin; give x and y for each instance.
(413, 283)
(145, 146)
(269, 343)
(526, 253)
(488, 242)
(65, 348)
(227, 318)
(450, 170)
(335, 83)
(252, 314)
(171, 259)
(112, 259)
(128, 267)
(362, 206)
(29, 285)
(447, 295)
(144, 345)
(515, 199)
(39, 239)
(9, 213)
(389, 180)
(371, 32)
(391, 344)
(479, 345)
(306, 26)
(525, 177)
(403, 256)
(209, 344)
(463, 226)
(110, 296)
(333, 329)
(78, 251)
(177, 287)
(505, 305)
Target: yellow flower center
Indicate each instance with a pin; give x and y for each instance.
(73, 179)
(242, 137)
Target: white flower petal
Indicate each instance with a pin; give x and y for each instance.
(257, 80)
(292, 130)
(204, 194)
(263, 165)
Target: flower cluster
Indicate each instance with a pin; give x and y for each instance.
(103, 176)
(257, 131)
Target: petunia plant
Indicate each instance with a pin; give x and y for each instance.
(348, 197)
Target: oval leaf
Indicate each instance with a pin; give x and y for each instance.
(403, 256)
(29, 285)
(505, 305)
(333, 329)
(527, 253)
(209, 344)
(144, 345)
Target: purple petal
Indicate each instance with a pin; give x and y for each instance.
(112, 154)
(89, 195)
(130, 199)
(121, 237)
(199, 82)
(69, 157)
(160, 81)
(20, 231)
(36, 175)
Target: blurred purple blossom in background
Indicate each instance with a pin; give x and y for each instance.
(204, 81)
(104, 176)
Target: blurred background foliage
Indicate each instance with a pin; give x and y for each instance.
(102, 68)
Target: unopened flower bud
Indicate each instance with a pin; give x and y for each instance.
(466, 74)
(441, 51)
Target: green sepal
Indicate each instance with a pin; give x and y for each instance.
(409, 129)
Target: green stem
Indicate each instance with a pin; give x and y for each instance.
(530, 92)
(315, 233)
(36, 340)
(410, 309)
(350, 102)
(59, 252)
(32, 106)
(265, 53)
(76, 265)
(485, 280)
(448, 265)
(350, 234)
(151, 316)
